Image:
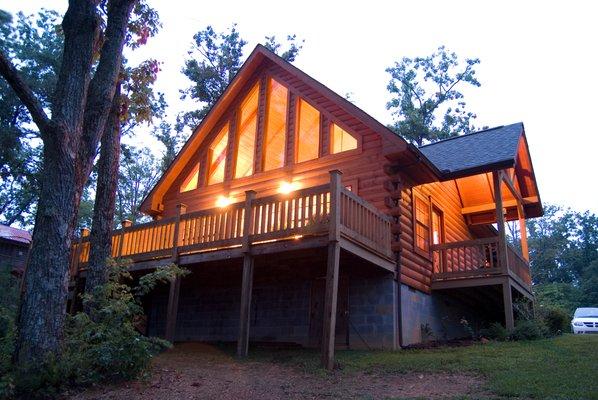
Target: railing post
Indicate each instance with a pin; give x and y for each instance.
(175, 284)
(332, 272)
(181, 209)
(500, 222)
(247, 280)
(124, 224)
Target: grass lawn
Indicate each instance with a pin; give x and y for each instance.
(565, 367)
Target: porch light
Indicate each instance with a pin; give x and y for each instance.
(223, 201)
(287, 187)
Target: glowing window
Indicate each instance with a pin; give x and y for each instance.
(246, 134)
(422, 224)
(190, 182)
(308, 132)
(276, 123)
(217, 157)
(341, 140)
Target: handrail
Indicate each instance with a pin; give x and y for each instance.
(477, 257)
(304, 212)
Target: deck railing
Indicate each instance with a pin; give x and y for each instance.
(477, 258)
(304, 212)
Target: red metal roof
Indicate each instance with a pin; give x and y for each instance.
(14, 234)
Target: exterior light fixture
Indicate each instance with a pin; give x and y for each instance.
(287, 187)
(223, 201)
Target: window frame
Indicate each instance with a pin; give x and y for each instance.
(357, 138)
(427, 203)
(226, 127)
(269, 79)
(297, 127)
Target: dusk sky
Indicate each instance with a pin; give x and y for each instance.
(538, 63)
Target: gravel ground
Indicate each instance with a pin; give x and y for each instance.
(199, 371)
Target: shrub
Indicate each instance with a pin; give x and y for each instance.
(102, 346)
(556, 320)
(495, 332)
(529, 329)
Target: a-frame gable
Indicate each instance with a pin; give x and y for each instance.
(261, 68)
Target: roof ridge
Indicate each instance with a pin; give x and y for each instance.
(468, 134)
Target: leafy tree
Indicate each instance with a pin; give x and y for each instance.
(426, 100)
(564, 257)
(80, 103)
(214, 60)
(139, 171)
(33, 43)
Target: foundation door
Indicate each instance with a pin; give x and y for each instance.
(316, 312)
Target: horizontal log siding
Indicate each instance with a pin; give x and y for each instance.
(416, 270)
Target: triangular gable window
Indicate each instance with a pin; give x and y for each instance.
(341, 140)
(308, 132)
(276, 124)
(217, 157)
(191, 181)
(246, 134)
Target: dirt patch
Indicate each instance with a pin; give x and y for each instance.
(196, 371)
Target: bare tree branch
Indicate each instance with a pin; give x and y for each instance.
(24, 92)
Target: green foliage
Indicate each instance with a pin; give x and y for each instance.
(556, 320)
(214, 60)
(139, 171)
(529, 329)
(496, 331)
(9, 290)
(560, 295)
(34, 43)
(425, 98)
(102, 346)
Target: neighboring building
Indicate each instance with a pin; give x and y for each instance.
(14, 247)
(305, 220)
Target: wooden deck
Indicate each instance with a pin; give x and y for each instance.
(469, 262)
(283, 221)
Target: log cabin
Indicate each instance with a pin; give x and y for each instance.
(304, 220)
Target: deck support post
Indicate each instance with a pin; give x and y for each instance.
(500, 222)
(247, 281)
(332, 273)
(175, 284)
(508, 304)
(172, 310)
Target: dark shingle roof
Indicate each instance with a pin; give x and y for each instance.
(475, 151)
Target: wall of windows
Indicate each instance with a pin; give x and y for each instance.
(275, 113)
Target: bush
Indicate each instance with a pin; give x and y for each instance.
(529, 329)
(495, 332)
(556, 320)
(102, 346)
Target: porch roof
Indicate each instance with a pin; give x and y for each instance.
(476, 152)
(469, 160)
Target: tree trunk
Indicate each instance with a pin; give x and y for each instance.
(79, 111)
(104, 205)
(43, 303)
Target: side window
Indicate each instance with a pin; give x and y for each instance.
(217, 157)
(246, 131)
(308, 132)
(276, 126)
(421, 222)
(341, 140)
(191, 180)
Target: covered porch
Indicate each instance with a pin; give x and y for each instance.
(493, 259)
